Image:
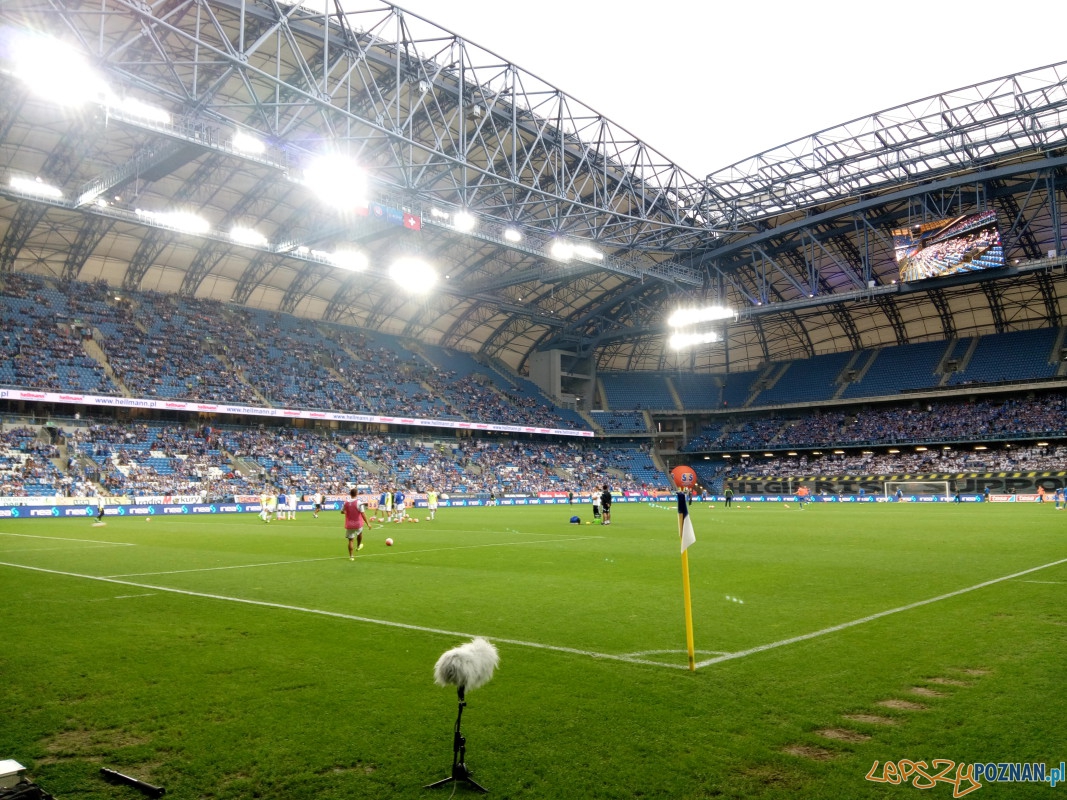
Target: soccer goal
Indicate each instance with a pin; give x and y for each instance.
(910, 489)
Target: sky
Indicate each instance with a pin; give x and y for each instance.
(708, 83)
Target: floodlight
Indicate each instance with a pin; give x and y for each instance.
(512, 235)
(351, 260)
(694, 316)
(36, 187)
(184, 221)
(56, 70)
(585, 251)
(680, 341)
(413, 274)
(463, 221)
(248, 236)
(135, 108)
(561, 250)
(248, 144)
(338, 181)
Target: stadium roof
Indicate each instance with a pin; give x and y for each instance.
(796, 240)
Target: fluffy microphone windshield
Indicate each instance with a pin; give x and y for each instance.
(468, 666)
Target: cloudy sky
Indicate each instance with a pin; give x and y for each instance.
(708, 83)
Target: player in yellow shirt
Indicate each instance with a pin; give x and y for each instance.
(264, 506)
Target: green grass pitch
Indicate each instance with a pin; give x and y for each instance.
(224, 658)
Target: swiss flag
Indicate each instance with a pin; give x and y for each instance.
(412, 223)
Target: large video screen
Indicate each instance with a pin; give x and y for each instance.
(948, 247)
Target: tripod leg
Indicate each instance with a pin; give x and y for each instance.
(459, 754)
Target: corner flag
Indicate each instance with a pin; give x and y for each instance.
(688, 535)
(685, 532)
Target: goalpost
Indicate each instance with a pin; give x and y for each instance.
(918, 489)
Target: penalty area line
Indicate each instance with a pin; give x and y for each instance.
(863, 620)
(352, 617)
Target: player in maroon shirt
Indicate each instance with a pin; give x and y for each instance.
(355, 521)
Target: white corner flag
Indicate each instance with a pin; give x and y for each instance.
(686, 526)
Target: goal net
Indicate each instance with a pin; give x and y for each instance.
(909, 489)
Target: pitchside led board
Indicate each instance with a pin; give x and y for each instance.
(948, 247)
(684, 477)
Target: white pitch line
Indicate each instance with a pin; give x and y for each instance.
(872, 617)
(352, 617)
(394, 554)
(674, 652)
(65, 539)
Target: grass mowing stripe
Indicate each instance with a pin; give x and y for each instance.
(352, 617)
(232, 566)
(872, 617)
(63, 549)
(65, 539)
(335, 558)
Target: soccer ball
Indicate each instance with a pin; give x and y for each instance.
(414, 519)
(147, 519)
(388, 542)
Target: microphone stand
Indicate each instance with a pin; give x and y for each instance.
(459, 753)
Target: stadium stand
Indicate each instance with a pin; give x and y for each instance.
(738, 387)
(1015, 356)
(899, 369)
(627, 391)
(698, 391)
(620, 421)
(806, 381)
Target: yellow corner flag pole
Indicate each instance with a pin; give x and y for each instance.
(687, 536)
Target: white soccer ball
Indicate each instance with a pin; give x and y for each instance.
(147, 519)
(388, 542)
